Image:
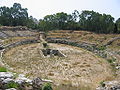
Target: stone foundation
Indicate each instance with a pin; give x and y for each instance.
(52, 52)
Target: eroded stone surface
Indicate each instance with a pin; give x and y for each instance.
(23, 82)
(6, 75)
(52, 52)
(109, 85)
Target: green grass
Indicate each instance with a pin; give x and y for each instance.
(101, 47)
(111, 61)
(12, 85)
(3, 69)
(47, 86)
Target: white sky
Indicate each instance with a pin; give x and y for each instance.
(41, 8)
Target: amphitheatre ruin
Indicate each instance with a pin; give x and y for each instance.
(60, 56)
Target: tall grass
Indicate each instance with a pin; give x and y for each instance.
(3, 69)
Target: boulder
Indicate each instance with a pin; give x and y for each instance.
(37, 83)
(6, 75)
(22, 79)
(109, 85)
(11, 89)
(22, 82)
(52, 52)
(7, 80)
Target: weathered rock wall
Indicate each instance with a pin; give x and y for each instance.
(19, 31)
(13, 28)
(28, 41)
(90, 47)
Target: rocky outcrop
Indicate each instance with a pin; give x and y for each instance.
(111, 41)
(52, 52)
(109, 85)
(1, 47)
(9, 82)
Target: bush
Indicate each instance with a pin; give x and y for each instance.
(47, 86)
(111, 60)
(101, 47)
(102, 83)
(3, 69)
(12, 84)
(45, 45)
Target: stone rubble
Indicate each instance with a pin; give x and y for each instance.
(109, 85)
(23, 82)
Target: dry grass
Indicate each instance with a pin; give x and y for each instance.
(80, 66)
(80, 70)
(84, 36)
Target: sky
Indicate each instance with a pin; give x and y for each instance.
(41, 8)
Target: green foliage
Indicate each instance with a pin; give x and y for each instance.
(118, 25)
(111, 60)
(12, 85)
(3, 69)
(32, 23)
(47, 86)
(101, 47)
(87, 20)
(45, 45)
(113, 65)
(0, 25)
(93, 21)
(102, 84)
(13, 16)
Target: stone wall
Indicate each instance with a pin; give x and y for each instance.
(13, 28)
(19, 31)
(28, 41)
(90, 47)
(112, 40)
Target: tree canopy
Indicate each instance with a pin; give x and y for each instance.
(13, 16)
(86, 20)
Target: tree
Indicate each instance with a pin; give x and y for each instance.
(5, 16)
(13, 16)
(32, 23)
(55, 21)
(61, 20)
(118, 25)
(19, 15)
(42, 25)
(94, 21)
(51, 22)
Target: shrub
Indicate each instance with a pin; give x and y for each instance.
(47, 86)
(12, 84)
(102, 83)
(101, 47)
(45, 45)
(3, 69)
(111, 60)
